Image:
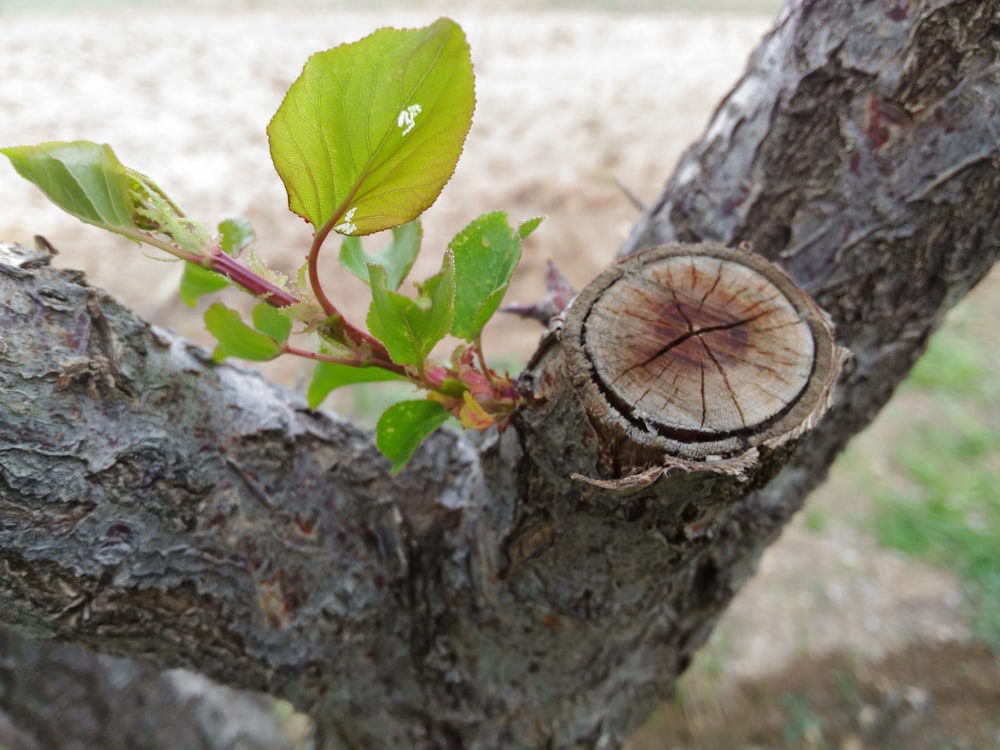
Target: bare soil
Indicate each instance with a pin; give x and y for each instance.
(943, 697)
(871, 648)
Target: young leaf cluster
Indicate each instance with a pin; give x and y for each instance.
(364, 141)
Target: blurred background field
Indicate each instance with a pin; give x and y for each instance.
(898, 553)
(874, 619)
(646, 7)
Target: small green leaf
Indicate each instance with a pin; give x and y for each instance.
(328, 376)
(197, 281)
(397, 258)
(84, 179)
(236, 338)
(272, 321)
(156, 215)
(235, 235)
(486, 253)
(439, 293)
(525, 228)
(370, 132)
(394, 319)
(410, 328)
(489, 306)
(259, 267)
(404, 426)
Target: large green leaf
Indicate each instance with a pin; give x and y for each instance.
(404, 426)
(84, 179)
(88, 181)
(397, 258)
(410, 328)
(328, 376)
(371, 131)
(486, 253)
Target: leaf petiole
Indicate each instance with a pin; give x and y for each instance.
(313, 262)
(354, 361)
(478, 345)
(339, 328)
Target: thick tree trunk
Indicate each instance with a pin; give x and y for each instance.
(543, 587)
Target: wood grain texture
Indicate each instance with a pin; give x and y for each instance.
(699, 345)
(700, 350)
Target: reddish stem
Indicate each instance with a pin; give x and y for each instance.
(247, 279)
(352, 334)
(478, 343)
(278, 297)
(313, 260)
(350, 362)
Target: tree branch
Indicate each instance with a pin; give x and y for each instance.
(169, 508)
(156, 505)
(861, 151)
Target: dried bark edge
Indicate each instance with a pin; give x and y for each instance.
(732, 454)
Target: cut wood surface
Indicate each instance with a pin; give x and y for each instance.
(700, 350)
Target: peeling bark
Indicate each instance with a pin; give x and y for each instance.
(155, 505)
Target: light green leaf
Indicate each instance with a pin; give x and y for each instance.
(370, 132)
(84, 179)
(486, 253)
(197, 281)
(260, 267)
(404, 426)
(235, 235)
(525, 228)
(410, 328)
(397, 258)
(236, 338)
(328, 376)
(157, 216)
(88, 181)
(272, 321)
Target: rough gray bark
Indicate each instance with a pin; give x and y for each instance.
(156, 506)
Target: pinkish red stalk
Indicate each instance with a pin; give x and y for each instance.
(350, 362)
(248, 280)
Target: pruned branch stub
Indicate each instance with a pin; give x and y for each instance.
(699, 352)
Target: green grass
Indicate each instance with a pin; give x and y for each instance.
(947, 509)
(803, 726)
(816, 520)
